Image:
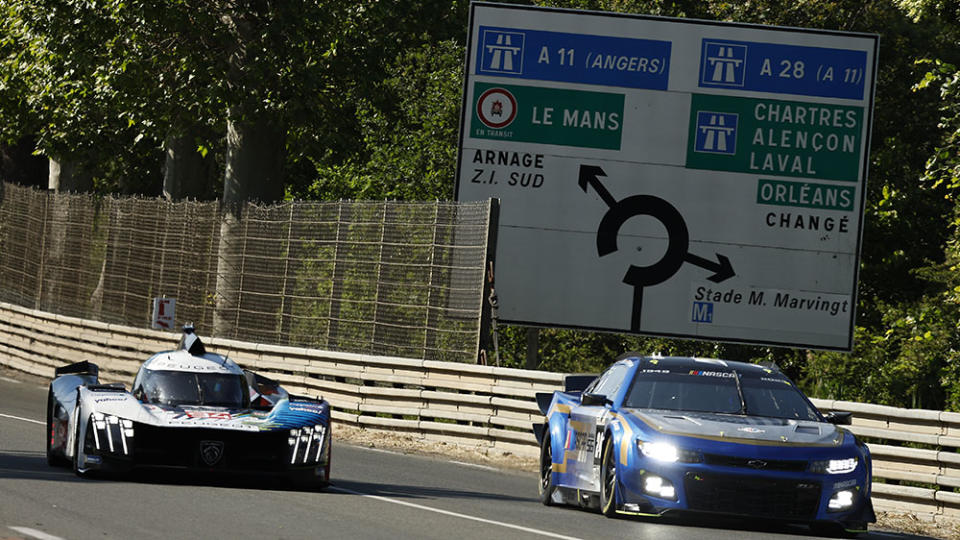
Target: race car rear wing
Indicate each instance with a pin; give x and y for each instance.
(78, 368)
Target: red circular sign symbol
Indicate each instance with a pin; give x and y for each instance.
(497, 108)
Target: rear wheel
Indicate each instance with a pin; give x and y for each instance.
(546, 486)
(608, 480)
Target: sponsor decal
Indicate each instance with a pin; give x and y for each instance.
(701, 373)
(844, 484)
(751, 429)
(214, 415)
(306, 407)
(110, 398)
(211, 452)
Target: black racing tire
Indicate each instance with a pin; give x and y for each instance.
(53, 459)
(608, 480)
(309, 480)
(546, 487)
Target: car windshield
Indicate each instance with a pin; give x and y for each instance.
(187, 388)
(718, 392)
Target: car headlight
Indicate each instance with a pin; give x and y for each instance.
(834, 466)
(111, 434)
(659, 451)
(306, 444)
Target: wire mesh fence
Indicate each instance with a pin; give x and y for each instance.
(386, 278)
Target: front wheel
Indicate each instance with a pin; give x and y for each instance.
(78, 441)
(608, 480)
(546, 486)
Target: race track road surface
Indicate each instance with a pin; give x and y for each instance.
(374, 494)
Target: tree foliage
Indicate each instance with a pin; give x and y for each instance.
(365, 98)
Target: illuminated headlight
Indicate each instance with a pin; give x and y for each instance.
(834, 466)
(112, 434)
(659, 487)
(307, 444)
(659, 451)
(841, 500)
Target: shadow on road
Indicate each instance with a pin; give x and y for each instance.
(22, 465)
(397, 491)
(767, 527)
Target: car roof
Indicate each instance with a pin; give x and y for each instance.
(691, 362)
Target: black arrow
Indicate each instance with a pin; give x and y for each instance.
(722, 269)
(589, 175)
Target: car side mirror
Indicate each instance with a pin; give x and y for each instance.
(839, 418)
(588, 399)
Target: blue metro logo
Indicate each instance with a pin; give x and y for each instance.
(703, 312)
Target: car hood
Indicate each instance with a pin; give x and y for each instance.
(740, 428)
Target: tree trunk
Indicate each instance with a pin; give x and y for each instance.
(255, 155)
(63, 178)
(253, 172)
(184, 170)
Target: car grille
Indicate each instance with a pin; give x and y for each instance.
(750, 495)
(181, 447)
(754, 463)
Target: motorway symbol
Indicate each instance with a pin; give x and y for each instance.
(723, 63)
(678, 239)
(716, 133)
(502, 52)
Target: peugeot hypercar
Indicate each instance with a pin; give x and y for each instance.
(656, 435)
(189, 409)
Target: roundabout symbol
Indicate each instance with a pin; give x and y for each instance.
(678, 239)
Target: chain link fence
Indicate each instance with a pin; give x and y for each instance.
(384, 278)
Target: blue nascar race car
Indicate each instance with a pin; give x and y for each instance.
(189, 409)
(658, 435)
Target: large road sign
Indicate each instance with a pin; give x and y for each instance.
(670, 177)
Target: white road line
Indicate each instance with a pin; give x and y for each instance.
(22, 419)
(9, 380)
(33, 533)
(454, 514)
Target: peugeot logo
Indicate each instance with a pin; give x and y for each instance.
(211, 452)
(757, 463)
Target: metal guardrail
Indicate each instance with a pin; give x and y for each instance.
(472, 405)
(916, 452)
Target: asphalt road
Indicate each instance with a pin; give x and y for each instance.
(374, 494)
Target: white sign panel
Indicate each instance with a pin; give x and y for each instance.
(164, 311)
(670, 177)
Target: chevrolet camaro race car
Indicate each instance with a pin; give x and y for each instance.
(657, 435)
(188, 409)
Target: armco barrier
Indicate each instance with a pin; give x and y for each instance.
(459, 403)
(916, 452)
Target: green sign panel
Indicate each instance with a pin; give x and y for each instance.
(806, 195)
(773, 137)
(547, 115)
